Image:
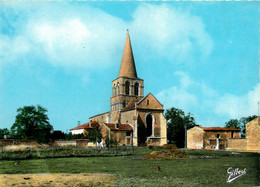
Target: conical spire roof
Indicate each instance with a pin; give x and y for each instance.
(127, 68)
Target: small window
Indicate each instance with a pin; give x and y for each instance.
(136, 90)
(147, 102)
(118, 91)
(127, 87)
(218, 135)
(232, 134)
(128, 133)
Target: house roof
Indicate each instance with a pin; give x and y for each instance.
(94, 124)
(219, 128)
(131, 104)
(121, 127)
(127, 68)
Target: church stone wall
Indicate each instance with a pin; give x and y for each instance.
(156, 120)
(163, 127)
(128, 117)
(101, 118)
(151, 104)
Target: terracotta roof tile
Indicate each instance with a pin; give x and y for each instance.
(121, 127)
(94, 124)
(219, 129)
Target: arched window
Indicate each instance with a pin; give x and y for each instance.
(124, 104)
(127, 87)
(136, 90)
(118, 88)
(114, 90)
(149, 125)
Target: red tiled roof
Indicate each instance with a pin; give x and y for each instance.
(219, 129)
(131, 104)
(94, 124)
(121, 127)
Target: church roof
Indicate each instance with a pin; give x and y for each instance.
(127, 68)
(131, 104)
(121, 127)
(94, 124)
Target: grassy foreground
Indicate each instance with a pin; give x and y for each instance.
(203, 168)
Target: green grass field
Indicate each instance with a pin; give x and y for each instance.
(203, 168)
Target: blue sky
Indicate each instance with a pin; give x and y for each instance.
(202, 57)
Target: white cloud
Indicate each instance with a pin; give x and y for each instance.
(239, 106)
(173, 33)
(179, 96)
(205, 102)
(89, 37)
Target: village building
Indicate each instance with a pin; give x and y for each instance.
(225, 138)
(134, 119)
(210, 137)
(85, 128)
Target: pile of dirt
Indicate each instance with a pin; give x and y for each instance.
(169, 152)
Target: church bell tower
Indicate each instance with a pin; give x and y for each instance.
(127, 86)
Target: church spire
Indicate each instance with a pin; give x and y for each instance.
(127, 68)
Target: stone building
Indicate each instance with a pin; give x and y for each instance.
(210, 137)
(252, 141)
(84, 128)
(225, 138)
(134, 119)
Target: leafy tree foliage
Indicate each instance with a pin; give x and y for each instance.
(4, 133)
(244, 121)
(32, 122)
(233, 123)
(177, 120)
(240, 124)
(94, 136)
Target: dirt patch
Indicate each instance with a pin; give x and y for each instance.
(82, 179)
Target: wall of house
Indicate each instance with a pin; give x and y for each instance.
(77, 131)
(253, 135)
(104, 132)
(195, 138)
(120, 137)
(237, 144)
(210, 136)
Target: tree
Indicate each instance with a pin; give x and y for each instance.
(32, 122)
(233, 123)
(244, 121)
(94, 135)
(177, 119)
(240, 124)
(3, 133)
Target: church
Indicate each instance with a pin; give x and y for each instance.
(134, 119)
